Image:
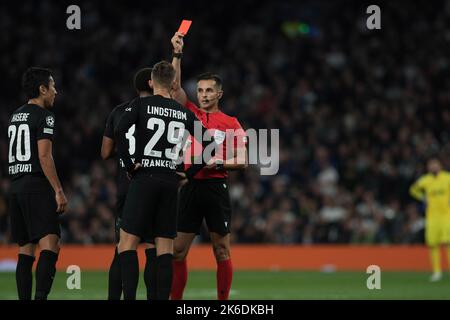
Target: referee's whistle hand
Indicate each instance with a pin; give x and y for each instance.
(61, 201)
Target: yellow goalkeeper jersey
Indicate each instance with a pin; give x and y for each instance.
(435, 191)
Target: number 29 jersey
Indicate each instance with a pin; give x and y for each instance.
(161, 128)
(26, 126)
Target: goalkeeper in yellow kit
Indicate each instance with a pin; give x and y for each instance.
(434, 189)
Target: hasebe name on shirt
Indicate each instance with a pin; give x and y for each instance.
(20, 117)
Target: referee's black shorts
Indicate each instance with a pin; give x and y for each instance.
(207, 199)
(150, 208)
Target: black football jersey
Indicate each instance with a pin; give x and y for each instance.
(111, 123)
(26, 126)
(162, 127)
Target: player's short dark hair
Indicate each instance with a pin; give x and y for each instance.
(141, 79)
(434, 157)
(163, 74)
(33, 78)
(211, 76)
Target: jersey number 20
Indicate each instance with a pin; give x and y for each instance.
(22, 132)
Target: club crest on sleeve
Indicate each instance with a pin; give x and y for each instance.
(50, 121)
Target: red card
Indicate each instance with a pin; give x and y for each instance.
(184, 26)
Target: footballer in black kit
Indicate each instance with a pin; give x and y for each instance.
(29, 186)
(142, 87)
(36, 197)
(122, 181)
(161, 129)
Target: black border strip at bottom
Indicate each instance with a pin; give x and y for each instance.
(255, 309)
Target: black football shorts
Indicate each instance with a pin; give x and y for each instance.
(207, 199)
(150, 207)
(33, 216)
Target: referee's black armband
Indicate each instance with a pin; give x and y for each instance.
(177, 55)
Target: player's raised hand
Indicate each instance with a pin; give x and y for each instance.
(61, 201)
(177, 42)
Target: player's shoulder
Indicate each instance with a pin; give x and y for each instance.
(18, 110)
(21, 108)
(33, 115)
(121, 107)
(422, 179)
(426, 178)
(43, 113)
(47, 112)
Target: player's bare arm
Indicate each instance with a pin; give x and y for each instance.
(48, 166)
(178, 92)
(417, 192)
(107, 150)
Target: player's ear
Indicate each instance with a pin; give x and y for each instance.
(43, 90)
(150, 83)
(219, 95)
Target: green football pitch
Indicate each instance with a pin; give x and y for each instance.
(264, 285)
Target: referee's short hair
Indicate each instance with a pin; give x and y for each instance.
(33, 78)
(163, 74)
(211, 76)
(141, 79)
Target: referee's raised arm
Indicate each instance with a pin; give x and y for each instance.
(178, 92)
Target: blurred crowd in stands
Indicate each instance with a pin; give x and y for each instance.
(358, 110)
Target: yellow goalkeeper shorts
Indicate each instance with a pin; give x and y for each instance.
(437, 231)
